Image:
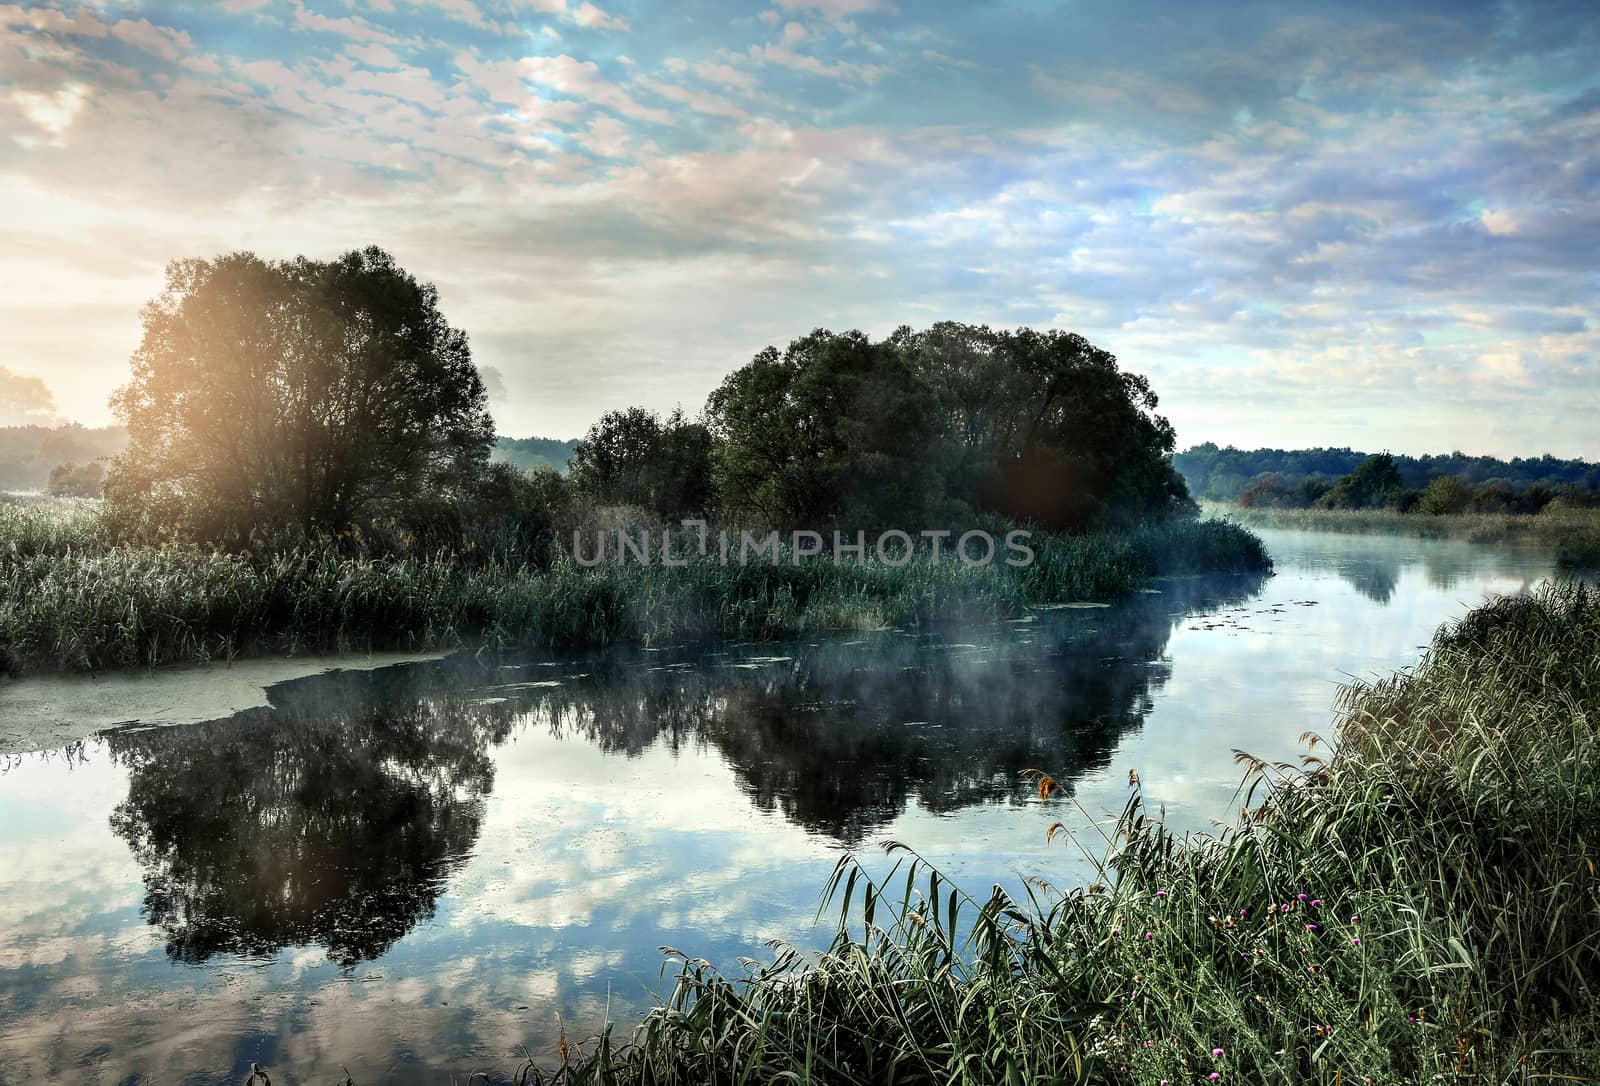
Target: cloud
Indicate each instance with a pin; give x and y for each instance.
(587, 15)
(161, 41)
(1262, 212)
(52, 112)
(494, 383)
(25, 401)
(375, 56)
(1498, 221)
(812, 65)
(352, 27)
(837, 8)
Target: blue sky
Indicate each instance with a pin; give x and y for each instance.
(1308, 223)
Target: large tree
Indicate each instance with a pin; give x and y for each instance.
(634, 457)
(835, 427)
(1044, 426)
(300, 393)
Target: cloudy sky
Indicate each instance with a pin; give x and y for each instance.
(1373, 224)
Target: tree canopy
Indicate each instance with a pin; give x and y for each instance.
(300, 393)
(634, 457)
(1038, 426)
(313, 396)
(835, 426)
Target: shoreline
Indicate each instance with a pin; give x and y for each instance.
(46, 711)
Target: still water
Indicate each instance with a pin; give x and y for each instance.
(413, 871)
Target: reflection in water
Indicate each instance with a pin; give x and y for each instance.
(332, 818)
(411, 871)
(840, 735)
(1374, 578)
(1373, 564)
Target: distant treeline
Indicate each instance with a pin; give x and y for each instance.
(527, 453)
(68, 460)
(28, 454)
(1226, 474)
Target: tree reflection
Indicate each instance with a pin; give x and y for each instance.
(840, 735)
(1375, 577)
(330, 819)
(334, 817)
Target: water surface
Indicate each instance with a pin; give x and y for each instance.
(413, 870)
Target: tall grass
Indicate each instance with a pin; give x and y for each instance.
(1573, 533)
(1424, 906)
(72, 596)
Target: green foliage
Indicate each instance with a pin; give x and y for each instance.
(1422, 907)
(1374, 484)
(1221, 474)
(300, 393)
(28, 454)
(1039, 427)
(77, 480)
(528, 453)
(75, 596)
(1044, 427)
(1571, 533)
(1445, 496)
(834, 427)
(636, 458)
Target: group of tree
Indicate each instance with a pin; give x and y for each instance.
(310, 396)
(528, 453)
(938, 424)
(1301, 476)
(297, 394)
(30, 455)
(1377, 483)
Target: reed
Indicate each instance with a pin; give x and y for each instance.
(1571, 532)
(73, 596)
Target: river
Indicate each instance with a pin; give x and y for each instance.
(413, 870)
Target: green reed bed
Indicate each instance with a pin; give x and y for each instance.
(1572, 532)
(74, 597)
(1424, 907)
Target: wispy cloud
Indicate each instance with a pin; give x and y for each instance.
(1305, 225)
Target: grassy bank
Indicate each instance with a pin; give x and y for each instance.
(1573, 534)
(73, 597)
(1423, 907)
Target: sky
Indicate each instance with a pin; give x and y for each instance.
(1307, 222)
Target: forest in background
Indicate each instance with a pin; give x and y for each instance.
(1226, 474)
(75, 454)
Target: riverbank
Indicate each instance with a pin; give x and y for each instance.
(1421, 905)
(1573, 534)
(47, 712)
(73, 597)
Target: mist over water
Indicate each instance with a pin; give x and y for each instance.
(410, 871)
